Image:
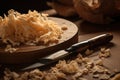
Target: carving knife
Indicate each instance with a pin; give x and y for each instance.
(75, 48)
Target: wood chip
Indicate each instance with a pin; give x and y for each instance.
(104, 77)
(88, 52)
(96, 75)
(104, 53)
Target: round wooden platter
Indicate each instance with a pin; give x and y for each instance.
(30, 54)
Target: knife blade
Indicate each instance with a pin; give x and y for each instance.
(75, 48)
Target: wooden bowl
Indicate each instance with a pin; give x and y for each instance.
(30, 54)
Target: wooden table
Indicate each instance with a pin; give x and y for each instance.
(88, 30)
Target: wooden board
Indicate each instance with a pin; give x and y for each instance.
(88, 30)
(113, 62)
(29, 54)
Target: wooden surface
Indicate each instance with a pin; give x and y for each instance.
(113, 62)
(30, 54)
(88, 30)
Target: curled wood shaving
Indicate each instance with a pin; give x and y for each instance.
(65, 70)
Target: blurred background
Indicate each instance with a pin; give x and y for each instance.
(23, 5)
(93, 11)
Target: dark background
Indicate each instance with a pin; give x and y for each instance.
(22, 6)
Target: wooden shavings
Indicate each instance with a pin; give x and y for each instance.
(77, 75)
(104, 53)
(104, 77)
(77, 68)
(79, 59)
(82, 79)
(55, 74)
(10, 75)
(97, 69)
(36, 74)
(88, 52)
(86, 60)
(90, 65)
(10, 49)
(85, 71)
(96, 75)
(71, 67)
(64, 27)
(32, 28)
(99, 62)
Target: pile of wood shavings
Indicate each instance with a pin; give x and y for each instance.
(67, 70)
(32, 28)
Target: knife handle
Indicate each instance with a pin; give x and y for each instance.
(98, 40)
